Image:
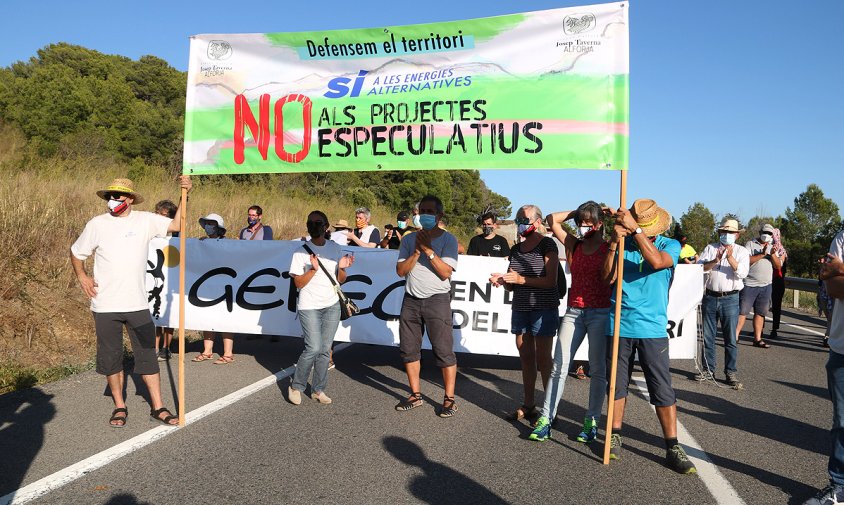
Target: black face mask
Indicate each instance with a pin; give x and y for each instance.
(316, 230)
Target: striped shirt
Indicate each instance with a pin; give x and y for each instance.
(532, 264)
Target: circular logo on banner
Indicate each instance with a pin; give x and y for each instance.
(219, 50)
(578, 23)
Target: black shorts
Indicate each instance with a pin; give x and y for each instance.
(653, 357)
(432, 314)
(109, 326)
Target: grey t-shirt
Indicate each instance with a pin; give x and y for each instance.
(422, 281)
(762, 272)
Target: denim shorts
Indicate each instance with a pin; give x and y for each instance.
(757, 297)
(539, 323)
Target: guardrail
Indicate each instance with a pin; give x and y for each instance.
(799, 284)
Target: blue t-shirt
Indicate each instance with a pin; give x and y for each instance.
(644, 292)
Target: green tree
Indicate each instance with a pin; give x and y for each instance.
(698, 223)
(808, 229)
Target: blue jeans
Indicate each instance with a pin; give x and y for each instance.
(579, 323)
(835, 381)
(318, 329)
(725, 308)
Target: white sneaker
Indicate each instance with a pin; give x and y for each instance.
(321, 397)
(294, 396)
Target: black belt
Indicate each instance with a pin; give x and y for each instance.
(718, 294)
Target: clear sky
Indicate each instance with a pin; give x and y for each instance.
(736, 104)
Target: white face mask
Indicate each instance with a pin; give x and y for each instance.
(117, 207)
(767, 238)
(728, 238)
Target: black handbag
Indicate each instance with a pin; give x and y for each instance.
(348, 307)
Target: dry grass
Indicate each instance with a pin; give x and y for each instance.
(46, 329)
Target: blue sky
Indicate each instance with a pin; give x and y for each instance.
(739, 105)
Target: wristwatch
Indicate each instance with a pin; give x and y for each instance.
(431, 256)
(637, 231)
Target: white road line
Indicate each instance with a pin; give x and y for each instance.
(803, 328)
(718, 485)
(101, 459)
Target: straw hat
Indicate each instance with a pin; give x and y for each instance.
(341, 224)
(121, 186)
(650, 217)
(217, 219)
(730, 225)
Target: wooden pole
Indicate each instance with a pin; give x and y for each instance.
(619, 274)
(182, 257)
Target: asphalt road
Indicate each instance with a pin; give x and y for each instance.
(768, 442)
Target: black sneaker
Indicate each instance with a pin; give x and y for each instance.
(733, 381)
(830, 495)
(163, 354)
(773, 334)
(615, 446)
(677, 460)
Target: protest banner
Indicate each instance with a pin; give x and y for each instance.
(545, 89)
(244, 287)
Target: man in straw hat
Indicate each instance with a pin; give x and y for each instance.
(727, 265)
(119, 242)
(649, 260)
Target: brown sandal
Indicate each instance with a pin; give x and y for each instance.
(224, 360)
(761, 344)
(525, 412)
(203, 357)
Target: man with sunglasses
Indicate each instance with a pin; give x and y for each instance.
(119, 242)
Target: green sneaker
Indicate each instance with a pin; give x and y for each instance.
(615, 446)
(677, 460)
(542, 431)
(589, 431)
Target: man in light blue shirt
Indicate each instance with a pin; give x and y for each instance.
(648, 268)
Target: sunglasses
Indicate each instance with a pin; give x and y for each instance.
(523, 220)
(114, 195)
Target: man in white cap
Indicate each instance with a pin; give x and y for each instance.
(649, 261)
(119, 242)
(726, 264)
(757, 286)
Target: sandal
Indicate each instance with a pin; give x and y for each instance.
(579, 373)
(411, 402)
(203, 357)
(156, 414)
(525, 412)
(115, 417)
(449, 407)
(224, 360)
(761, 344)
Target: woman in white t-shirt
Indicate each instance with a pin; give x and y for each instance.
(318, 306)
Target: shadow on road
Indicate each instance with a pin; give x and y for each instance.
(23, 416)
(438, 483)
(125, 499)
(722, 412)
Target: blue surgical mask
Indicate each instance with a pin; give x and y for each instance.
(427, 221)
(728, 238)
(402, 224)
(210, 229)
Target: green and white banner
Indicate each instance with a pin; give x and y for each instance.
(546, 89)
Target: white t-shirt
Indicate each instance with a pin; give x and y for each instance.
(120, 246)
(836, 326)
(319, 292)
